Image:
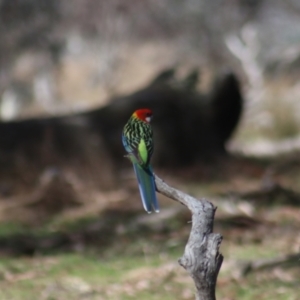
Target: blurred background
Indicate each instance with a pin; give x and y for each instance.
(222, 80)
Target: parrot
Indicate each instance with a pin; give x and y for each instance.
(137, 139)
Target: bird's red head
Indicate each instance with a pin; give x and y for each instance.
(143, 114)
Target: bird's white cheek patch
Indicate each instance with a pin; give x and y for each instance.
(148, 119)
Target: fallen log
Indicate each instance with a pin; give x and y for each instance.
(188, 127)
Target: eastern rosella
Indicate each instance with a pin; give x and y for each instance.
(137, 139)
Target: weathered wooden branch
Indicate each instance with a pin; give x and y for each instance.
(201, 258)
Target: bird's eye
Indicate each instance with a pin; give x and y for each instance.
(148, 114)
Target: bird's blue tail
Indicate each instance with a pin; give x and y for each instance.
(147, 187)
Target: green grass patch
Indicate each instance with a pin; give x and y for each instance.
(140, 261)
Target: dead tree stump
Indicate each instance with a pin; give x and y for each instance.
(201, 258)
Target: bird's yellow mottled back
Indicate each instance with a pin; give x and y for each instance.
(138, 139)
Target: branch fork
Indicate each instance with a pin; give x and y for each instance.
(201, 258)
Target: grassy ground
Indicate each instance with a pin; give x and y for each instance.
(131, 255)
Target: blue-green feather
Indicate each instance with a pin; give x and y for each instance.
(147, 188)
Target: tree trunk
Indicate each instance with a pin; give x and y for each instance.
(201, 257)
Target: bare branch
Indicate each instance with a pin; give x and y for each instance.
(201, 257)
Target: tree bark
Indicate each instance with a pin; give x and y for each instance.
(201, 258)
